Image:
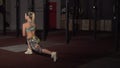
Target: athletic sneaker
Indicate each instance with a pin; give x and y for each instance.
(54, 56)
(29, 51)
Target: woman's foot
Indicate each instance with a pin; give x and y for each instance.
(54, 56)
(29, 51)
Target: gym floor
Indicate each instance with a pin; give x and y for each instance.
(83, 51)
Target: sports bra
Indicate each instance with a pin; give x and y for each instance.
(32, 28)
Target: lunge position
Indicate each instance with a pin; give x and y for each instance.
(28, 31)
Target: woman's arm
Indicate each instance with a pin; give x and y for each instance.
(23, 30)
(33, 17)
(33, 20)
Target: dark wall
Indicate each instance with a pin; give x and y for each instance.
(104, 8)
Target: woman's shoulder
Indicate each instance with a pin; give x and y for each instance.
(25, 24)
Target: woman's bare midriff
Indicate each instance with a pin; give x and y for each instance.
(30, 35)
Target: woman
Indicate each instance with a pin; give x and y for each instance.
(28, 31)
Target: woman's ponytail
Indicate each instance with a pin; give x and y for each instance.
(32, 16)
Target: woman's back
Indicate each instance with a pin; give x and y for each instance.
(30, 29)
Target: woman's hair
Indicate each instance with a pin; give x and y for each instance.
(31, 16)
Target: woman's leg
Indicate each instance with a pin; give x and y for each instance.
(29, 49)
(29, 45)
(46, 51)
(37, 47)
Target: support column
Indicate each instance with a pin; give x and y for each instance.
(46, 19)
(4, 17)
(116, 24)
(67, 22)
(58, 14)
(95, 18)
(13, 15)
(74, 17)
(18, 18)
(31, 5)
